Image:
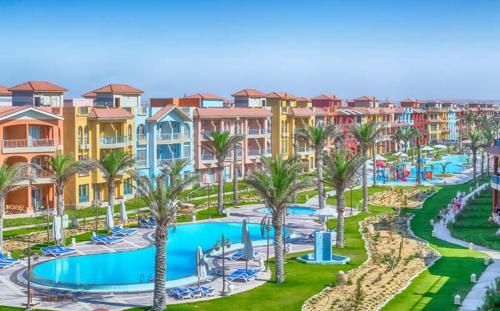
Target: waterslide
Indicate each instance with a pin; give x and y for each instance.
(400, 177)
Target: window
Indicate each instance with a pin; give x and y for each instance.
(127, 186)
(83, 193)
(186, 152)
(86, 134)
(80, 135)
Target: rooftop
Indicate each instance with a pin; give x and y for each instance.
(110, 114)
(207, 96)
(4, 91)
(249, 93)
(38, 86)
(122, 89)
(231, 112)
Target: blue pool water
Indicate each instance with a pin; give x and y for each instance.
(292, 210)
(136, 267)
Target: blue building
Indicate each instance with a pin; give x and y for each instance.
(452, 124)
(164, 133)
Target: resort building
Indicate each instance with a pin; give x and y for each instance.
(5, 96)
(249, 98)
(253, 123)
(417, 117)
(329, 101)
(494, 151)
(31, 134)
(95, 126)
(290, 113)
(436, 118)
(363, 102)
(164, 133)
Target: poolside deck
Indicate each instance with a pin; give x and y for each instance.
(13, 281)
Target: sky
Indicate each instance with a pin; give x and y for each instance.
(388, 49)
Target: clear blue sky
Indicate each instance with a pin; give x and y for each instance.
(395, 49)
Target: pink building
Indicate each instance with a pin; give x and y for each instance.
(252, 123)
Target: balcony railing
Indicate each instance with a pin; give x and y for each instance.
(114, 140)
(141, 163)
(162, 161)
(172, 136)
(207, 157)
(257, 152)
(257, 131)
(28, 145)
(82, 111)
(141, 139)
(142, 111)
(304, 150)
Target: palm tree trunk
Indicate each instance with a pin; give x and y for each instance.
(474, 160)
(365, 183)
(2, 210)
(159, 298)
(319, 176)
(220, 191)
(487, 163)
(111, 195)
(278, 250)
(374, 166)
(296, 152)
(60, 208)
(235, 177)
(419, 165)
(482, 162)
(340, 217)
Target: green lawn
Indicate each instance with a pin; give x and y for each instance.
(302, 280)
(472, 223)
(435, 288)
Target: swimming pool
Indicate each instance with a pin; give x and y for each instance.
(132, 270)
(292, 210)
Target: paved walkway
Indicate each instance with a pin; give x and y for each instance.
(474, 299)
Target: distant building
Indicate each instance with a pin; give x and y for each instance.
(5, 96)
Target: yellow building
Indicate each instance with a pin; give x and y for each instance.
(290, 113)
(93, 127)
(436, 120)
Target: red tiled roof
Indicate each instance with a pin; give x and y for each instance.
(320, 111)
(89, 95)
(365, 98)
(38, 86)
(109, 113)
(303, 99)
(231, 112)
(409, 100)
(326, 97)
(4, 91)
(163, 111)
(118, 89)
(249, 93)
(8, 110)
(206, 96)
(302, 112)
(281, 95)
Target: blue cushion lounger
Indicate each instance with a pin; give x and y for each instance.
(57, 251)
(106, 240)
(152, 221)
(146, 224)
(122, 232)
(239, 255)
(180, 293)
(5, 265)
(195, 292)
(4, 258)
(242, 275)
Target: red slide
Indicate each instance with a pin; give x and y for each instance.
(400, 177)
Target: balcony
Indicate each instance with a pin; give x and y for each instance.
(142, 111)
(495, 182)
(304, 151)
(141, 139)
(208, 158)
(141, 163)
(28, 145)
(83, 143)
(163, 161)
(171, 138)
(257, 153)
(41, 176)
(257, 132)
(114, 141)
(82, 111)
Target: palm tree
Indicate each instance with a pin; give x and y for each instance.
(316, 137)
(444, 165)
(170, 170)
(366, 134)
(469, 118)
(113, 166)
(220, 145)
(163, 201)
(399, 136)
(62, 168)
(414, 136)
(489, 129)
(341, 169)
(12, 178)
(275, 182)
(476, 142)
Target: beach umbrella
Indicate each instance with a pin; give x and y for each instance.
(109, 217)
(324, 213)
(201, 265)
(56, 228)
(427, 148)
(440, 147)
(243, 230)
(378, 157)
(247, 248)
(123, 211)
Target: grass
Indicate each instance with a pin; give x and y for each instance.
(435, 288)
(302, 280)
(472, 223)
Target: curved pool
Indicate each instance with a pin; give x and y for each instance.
(133, 270)
(292, 210)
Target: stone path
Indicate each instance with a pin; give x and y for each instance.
(474, 299)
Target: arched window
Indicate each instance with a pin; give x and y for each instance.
(80, 135)
(86, 134)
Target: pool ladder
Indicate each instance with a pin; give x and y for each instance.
(142, 278)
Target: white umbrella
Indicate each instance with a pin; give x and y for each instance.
(380, 158)
(201, 265)
(427, 148)
(247, 248)
(440, 147)
(109, 217)
(123, 211)
(243, 230)
(56, 228)
(323, 214)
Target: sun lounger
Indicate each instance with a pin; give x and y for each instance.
(145, 224)
(57, 251)
(5, 265)
(152, 221)
(180, 293)
(123, 232)
(105, 240)
(239, 255)
(195, 292)
(243, 275)
(5, 259)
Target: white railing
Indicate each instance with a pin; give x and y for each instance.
(142, 111)
(257, 152)
(207, 157)
(28, 143)
(140, 163)
(162, 161)
(141, 139)
(111, 140)
(172, 136)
